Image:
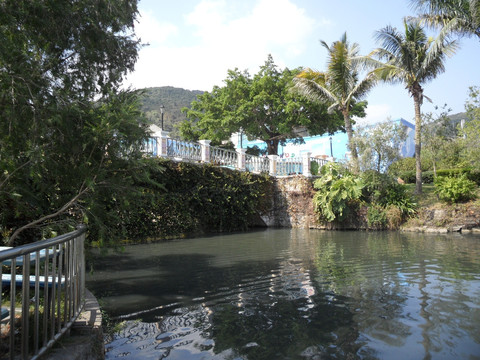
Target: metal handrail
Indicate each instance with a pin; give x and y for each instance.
(53, 271)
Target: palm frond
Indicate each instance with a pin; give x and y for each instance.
(460, 17)
(312, 84)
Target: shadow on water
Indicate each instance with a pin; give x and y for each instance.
(298, 328)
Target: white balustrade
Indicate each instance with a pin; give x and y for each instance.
(257, 164)
(184, 150)
(289, 166)
(223, 157)
(203, 152)
(321, 162)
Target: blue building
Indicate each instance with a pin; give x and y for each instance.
(326, 146)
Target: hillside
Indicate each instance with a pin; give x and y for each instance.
(457, 118)
(173, 99)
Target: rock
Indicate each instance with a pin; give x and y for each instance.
(456, 228)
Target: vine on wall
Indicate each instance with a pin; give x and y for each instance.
(196, 199)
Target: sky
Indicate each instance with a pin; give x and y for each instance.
(193, 43)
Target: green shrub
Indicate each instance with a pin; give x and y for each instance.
(400, 197)
(408, 176)
(314, 167)
(384, 190)
(337, 191)
(455, 189)
(428, 177)
(376, 186)
(376, 217)
(400, 166)
(474, 175)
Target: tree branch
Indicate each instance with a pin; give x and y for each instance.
(49, 216)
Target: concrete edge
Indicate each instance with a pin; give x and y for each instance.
(85, 341)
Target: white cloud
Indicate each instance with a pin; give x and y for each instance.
(224, 38)
(150, 31)
(375, 114)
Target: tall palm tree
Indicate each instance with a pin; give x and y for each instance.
(461, 17)
(339, 86)
(413, 59)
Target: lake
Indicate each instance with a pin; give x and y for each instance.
(294, 294)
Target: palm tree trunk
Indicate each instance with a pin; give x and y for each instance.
(351, 145)
(418, 143)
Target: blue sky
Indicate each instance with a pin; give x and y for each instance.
(192, 44)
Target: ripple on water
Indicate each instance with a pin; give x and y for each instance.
(181, 335)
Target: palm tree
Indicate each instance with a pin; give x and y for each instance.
(339, 86)
(413, 59)
(461, 17)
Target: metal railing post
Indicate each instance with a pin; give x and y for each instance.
(52, 271)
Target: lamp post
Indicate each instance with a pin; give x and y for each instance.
(162, 109)
(331, 148)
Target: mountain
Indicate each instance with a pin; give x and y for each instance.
(456, 118)
(173, 99)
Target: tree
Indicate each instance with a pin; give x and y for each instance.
(440, 143)
(461, 17)
(379, 145)
(262, 106)
(339, 87)
(470, 132)
(411, 58)
(67, 134)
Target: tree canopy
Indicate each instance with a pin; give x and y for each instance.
(262, 107)
(470, 133)
(461, 17)
(379, 145)
(68, 135)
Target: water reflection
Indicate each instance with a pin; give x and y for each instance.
(294, 294)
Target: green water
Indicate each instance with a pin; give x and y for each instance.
(294, 294)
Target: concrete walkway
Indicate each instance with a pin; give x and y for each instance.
(85, 341)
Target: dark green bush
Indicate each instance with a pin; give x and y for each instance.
(474, 175)
(408, 176)
(193, 199)
(428, 177)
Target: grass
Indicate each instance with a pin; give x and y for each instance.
(428, 198)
